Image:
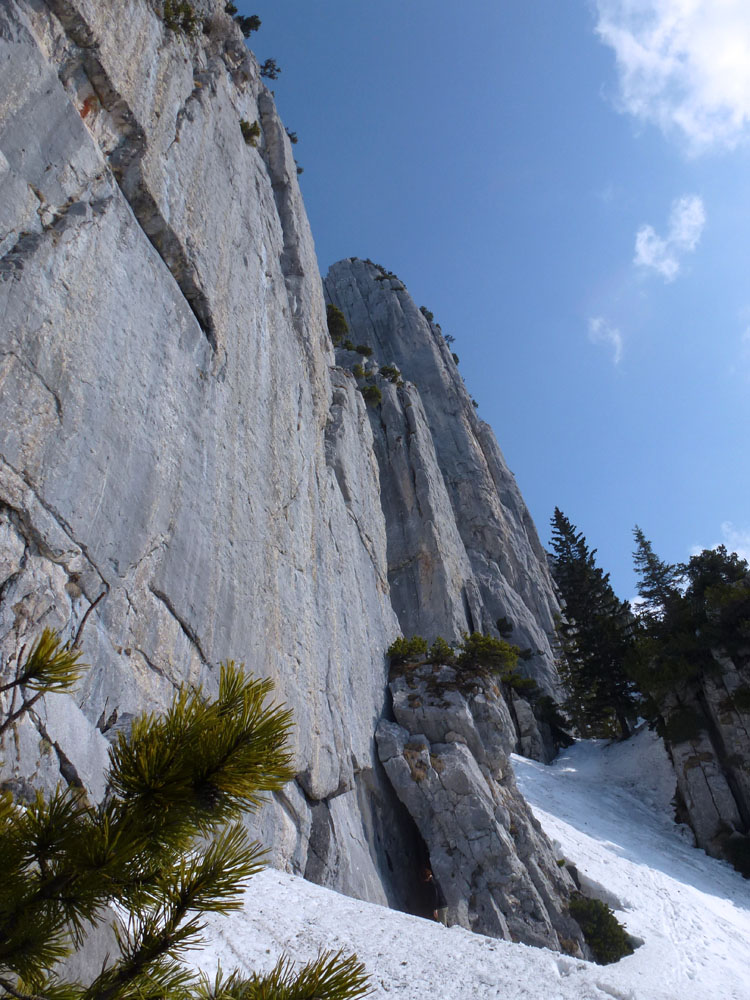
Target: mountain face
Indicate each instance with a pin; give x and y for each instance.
(189, 473)
(460, 537)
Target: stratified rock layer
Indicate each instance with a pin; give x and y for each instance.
(713, 774)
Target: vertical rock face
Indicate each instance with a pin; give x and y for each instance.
(171, 433)
(713, 775)
(447, 756)
(445, 487)
(178, 444)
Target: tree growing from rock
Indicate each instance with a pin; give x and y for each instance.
(165, 847)
(270, 69)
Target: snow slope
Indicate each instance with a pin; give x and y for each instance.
(608, 809)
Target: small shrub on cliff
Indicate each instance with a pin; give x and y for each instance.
(180, 16)
(427, 314)
(520, 684)
(372, 394)
(337, 325)
(248, 24)
(390, 372)
(364, 349)
(358, 371)
(441, 652)
(270, 69)
(603, 933)
(165, 847)
(403, 650)
(250, 132)
(481, 653)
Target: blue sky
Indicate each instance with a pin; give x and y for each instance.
(566, 185)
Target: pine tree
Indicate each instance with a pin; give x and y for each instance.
(166, 846)
(659, 581)
(594, 636)
(693, 610)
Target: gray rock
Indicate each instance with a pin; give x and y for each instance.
(172, 432)
(496, 565)
(713, 774)
(496, 867)
(177, 437)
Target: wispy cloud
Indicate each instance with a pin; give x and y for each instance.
(736, 540)
(602, 332)
(683, 64)
(662, 254)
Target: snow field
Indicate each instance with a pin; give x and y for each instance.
(607, 807)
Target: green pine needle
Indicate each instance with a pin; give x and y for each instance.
(51, 664)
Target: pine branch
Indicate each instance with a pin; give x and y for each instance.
(79, 633)
(26, 706)
(13, 992)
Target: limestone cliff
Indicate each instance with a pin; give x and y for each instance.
(460, 538)
(171, 426)
(179, 444)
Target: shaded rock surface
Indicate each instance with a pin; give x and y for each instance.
(713, 765)
(447, 756)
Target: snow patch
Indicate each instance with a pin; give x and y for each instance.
(608, 807)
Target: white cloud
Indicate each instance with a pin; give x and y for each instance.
(683, 64)
(662, 254)
(602, 332)
(736, 540)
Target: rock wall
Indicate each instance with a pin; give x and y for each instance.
(446, 489)
(172, 434)
(712, 766)
(179, 445)
(447, 756)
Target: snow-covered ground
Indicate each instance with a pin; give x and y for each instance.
(607, 807)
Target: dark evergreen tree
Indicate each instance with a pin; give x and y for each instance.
(337, 325)
(270, 69)
(595, 636)
(659, 582)
(697, 609)
(166, 846)
(248, 24)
